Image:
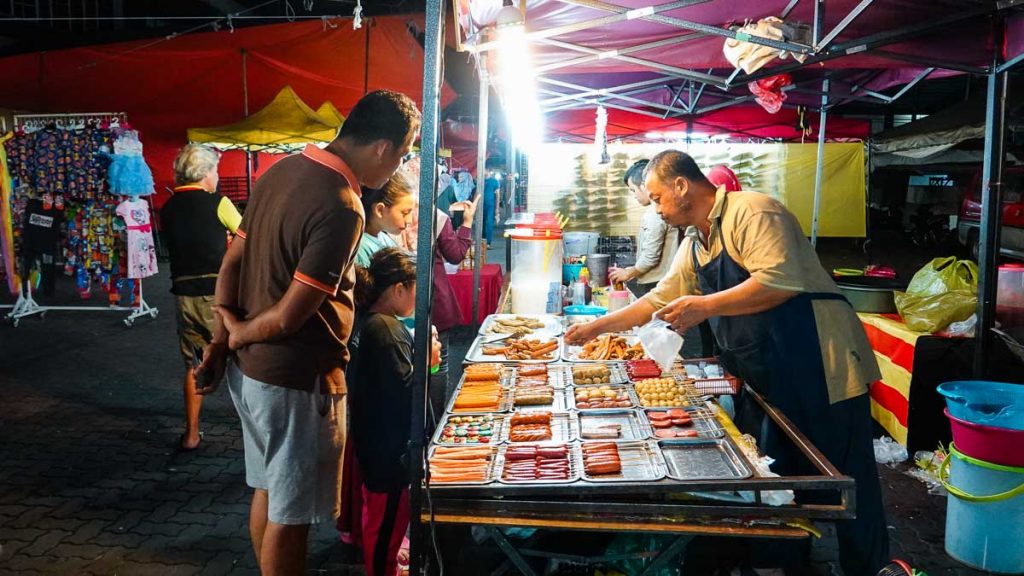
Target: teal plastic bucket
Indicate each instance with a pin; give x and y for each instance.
(984, 513)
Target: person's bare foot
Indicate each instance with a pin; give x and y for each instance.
(188, 442)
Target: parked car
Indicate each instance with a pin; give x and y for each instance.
(1012, 233)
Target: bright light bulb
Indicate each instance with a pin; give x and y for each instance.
(515, 80)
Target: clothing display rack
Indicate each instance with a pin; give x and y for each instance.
(26, 305)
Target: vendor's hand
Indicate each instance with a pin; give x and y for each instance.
(622, 274)
(468, 211)
(684, 312)
(211, 371)
(234, 327)
(580, 334)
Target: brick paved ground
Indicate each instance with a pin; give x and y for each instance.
(90, 482)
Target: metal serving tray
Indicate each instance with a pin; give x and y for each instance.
(691, 397)
(498, 424)
(574, 469)
(704, 422)
(630, 394)
(703, 460)
(562, 400)
(553, 325)
(504, 403)
(616, 373)
(572, 353)
(633, 425)
(492, 469)
(476, 354)
(559, 375)
(564, 428)
(641, 462)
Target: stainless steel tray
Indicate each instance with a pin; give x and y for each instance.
(704, 422)
(703, 460)
(559, 375)
(497, 422)
(616, 373)
(641, 462)
(492, 468)
(553, 325)
(691, 397)
(574, 470)
(628, 390)
(572, 353)
(562, 401)
(564, 428)
(476, 354)
(633, 425)
(504, 403)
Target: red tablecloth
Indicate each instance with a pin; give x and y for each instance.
(490, 291)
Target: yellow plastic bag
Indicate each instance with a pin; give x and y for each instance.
(942, 292)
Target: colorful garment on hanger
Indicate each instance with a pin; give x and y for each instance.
(6, 223)
(141, 249)
(129, 175)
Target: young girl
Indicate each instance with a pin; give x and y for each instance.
(380, 379)
(388, 211)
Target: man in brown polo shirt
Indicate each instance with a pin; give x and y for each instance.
(285, 305)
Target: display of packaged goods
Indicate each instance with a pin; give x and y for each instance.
(461, 464)
(710, 377)
(635, 461)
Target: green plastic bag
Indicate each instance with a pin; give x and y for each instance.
(942, 292)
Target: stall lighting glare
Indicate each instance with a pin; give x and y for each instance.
(677, 135)
(515, 80)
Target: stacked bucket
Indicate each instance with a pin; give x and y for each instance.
(984, 475)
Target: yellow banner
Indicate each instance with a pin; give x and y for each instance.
(569, 178)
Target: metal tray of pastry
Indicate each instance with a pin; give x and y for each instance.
(628, 391)
(616, 373)
(559, 375)
(497, 427)
(552, 325)
(572, 353)
(504, 402)
(490, 476)
(476, 353)
(641, 461)
(703, 460)
(704, 420)
(632, 425)
(571, 457)
(561, 401)
(564, 428)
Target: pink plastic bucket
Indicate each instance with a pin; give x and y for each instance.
(1003, 446)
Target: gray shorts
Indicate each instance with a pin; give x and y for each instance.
(294, 442)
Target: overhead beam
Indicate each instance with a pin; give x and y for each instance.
(598, 55)
(621, 15)
(820, 45)
(592, 102)
(614, 96)
(605, 91)
(925, 61)
(695, 26)
(789, 8)
(1010, 63)
(675, 70)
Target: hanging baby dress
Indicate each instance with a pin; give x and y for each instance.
(128, 173)
(141, 250)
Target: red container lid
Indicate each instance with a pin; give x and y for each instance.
(535, 234)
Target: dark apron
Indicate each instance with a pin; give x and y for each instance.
(778, 354)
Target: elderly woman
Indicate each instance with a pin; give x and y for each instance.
(195, 223)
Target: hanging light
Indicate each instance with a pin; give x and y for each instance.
(601, 136)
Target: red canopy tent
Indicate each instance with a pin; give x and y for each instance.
(168, 86)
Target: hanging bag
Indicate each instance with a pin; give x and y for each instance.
(942, 292)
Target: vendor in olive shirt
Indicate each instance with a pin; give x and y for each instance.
(285, 306)
(781, 325)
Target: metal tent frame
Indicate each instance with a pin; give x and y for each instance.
(691, 90)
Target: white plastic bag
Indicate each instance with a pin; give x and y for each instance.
(888, 451)
(660, 342)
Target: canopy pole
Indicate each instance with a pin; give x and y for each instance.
(819, 173)
(480, 254)
(245, 112)
(433, 56)
(991, 212)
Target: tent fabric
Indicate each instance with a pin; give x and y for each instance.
(330, 114)
(282, 125)
(200, 81)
